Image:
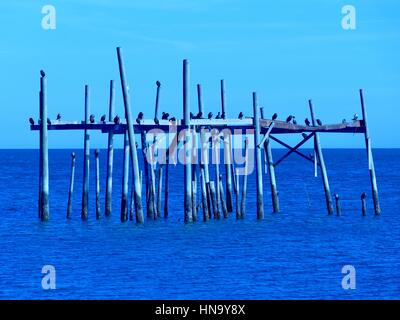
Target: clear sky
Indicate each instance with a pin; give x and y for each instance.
(287, 51)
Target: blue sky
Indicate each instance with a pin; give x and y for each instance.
(287, 51)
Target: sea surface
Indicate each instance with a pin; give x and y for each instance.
(298, 253)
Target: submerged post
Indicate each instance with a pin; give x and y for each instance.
(246, 171)
(338, 208)
(227, 154)
(271, 171)
(44, 153)
(125, 180)
(204, 194)
(260, 199)
(188, 154)
(214, 200)
(159, 194)
(131, 131)
(371, 165)
(320, 156)
(86, 161)
(237, 190)
(71, 186)
(364, 204)
(110, 153)
(222, 195)
(97, 162)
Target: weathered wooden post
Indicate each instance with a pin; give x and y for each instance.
(246, 172)
(364, 204)
(338, 208)
(260, 199)
(188, 154)
(152, 183)
(158, 84)
(237, 191)
(44, 211)
(227, 154)
(110, 153)
(371, 165)
(194, 196)
(166, 188)
(149, 200)
(214, 200)
(71, 186)
(97, 163)
(216, 150)
(131, 131)
(125, 180)
(222, 196)
(320, 156)
(271, 171)
(159, 194)
(86, 158)
(204, 194)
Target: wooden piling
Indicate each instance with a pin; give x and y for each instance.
(216, 150)
(152, 184)
(204, 194)
(246, 172)
(71, 186)
(97, 163)
(131, 131)
(217, 215)
(320, 156)
(166, 188)
(338, 208)
(159, 191)
(146, 165)
(237, 192)
(227, 154)
(364, 204)
(371, 165)
(222, 196)
(44, 211)
(257, 147)
(271, 171)
(157, 100)
(86, 159)
(194, 196)
(110, 153)
(188, 165)
(125, 180)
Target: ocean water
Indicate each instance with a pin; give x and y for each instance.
(295, 254)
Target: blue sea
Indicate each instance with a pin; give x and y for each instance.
(295, 254)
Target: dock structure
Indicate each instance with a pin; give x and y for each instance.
(209, 130)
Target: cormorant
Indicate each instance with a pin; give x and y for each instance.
(240, 116)
(307, 122)
(288, 119)
(31, 121)
(48, 121)
(223, 115)
(58, 117)
(158, 83)
(319, 122)
(294, 121)
(218, 115)
(117, 120)
(355, 117)
(91, 119)
(103, 118)
(199, 115)
(42, 73)
(210, 115)
(173, 119)
(274, 116)
(139, 117)
(165, 116)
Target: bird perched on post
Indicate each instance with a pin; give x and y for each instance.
(294, 121)
(91, 118)
(117, 120)
(139, 117)
(164, 115)
(355, 117)
(288, 119)
(173, 119)
(192, 116)
(307, 122)
(31, 121)
(274, 116)
(48, 121)
(223, 115)
(218, 115)
(209, 115)
(240, 116)
(58, 117)
(158, 84)
(103, 118)
(199, 115)
(42, 73)
(319, 122)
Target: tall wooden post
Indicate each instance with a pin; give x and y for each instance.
(166, 188)
(371, 165)
(71, 186)
(320, 156)
(237, 190)
(188, 153)
(44, 211)
(157, 100)
(216, 151)
(257, 147)
(97, 163)
(246, 172)
(222, 196)
(132, 142)
(149, 199)
(159, 191)
(110, 153)
(204, 194)
(227, 154)
(125, 180)
(271, 171)
(86, 159)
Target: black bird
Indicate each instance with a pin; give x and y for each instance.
(103, 118)
(307, 122)
(240, 116)
(117, 120)
(156, 121)
(58, 117)
(355, 117)
(218, 115)
(48, 121)
(165, 116)
(319, 122)
(158, 83)
(199, 115)
(210, 115)
(305, 135)
(42, 73)
(294, 121)
(192, 116)
(223, 115)
(139, 117)
(173, 119)
(91, 119)
(274, 116)
(31, 121)
(288, 119)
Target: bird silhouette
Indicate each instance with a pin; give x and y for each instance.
(319, 122)
(117, 120)
(218, 115)
(139, 117)
(48, 121)
(92, 118)
(103, 118)
(240, 116)
(58, 117)
(165, 116)
(307, 122)
(158, 83)
(200, 115)
(156, 121)
(294, 121)
(355, 117)
(274, 116)
(192, 116)
(173, 119)
(42, 73)
(223, 115)
(210, 115)
(31, 121)
(288, 119)
(304, 135)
